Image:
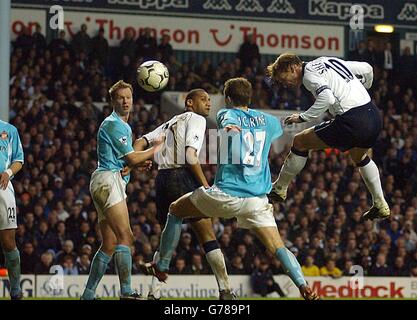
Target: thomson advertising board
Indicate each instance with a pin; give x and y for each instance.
(206, 287)
(198, 34)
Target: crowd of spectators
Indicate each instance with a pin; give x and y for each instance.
(54, 91)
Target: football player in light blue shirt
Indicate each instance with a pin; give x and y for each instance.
(242, 181)
(107, 187)
(11, 161)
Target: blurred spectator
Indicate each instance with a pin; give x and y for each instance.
(146, 45)
(45, 264)
(58, 45)
(309, 268)
(249, 51)
(68, 265)
(197, 266)
(25, 40)
(100, 47)
(381, 268)
(262, 281)
(39, 39)
(81, 42)
(330, 269)
(180, 267)
(83, 264)
(128, 46)
(67, 251)
(400, 269)
(165, 48)
(28, 258)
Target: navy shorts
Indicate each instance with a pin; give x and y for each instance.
(171, 184)
(357, 128)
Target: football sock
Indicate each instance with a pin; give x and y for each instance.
(155, 284)
(169, 241)
(97, 271)
(123, 261)
(370, 175)
(291, 266)
(216, 260)
(13, 269)
(293, 164)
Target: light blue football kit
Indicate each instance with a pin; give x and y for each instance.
(114, 141)
(10, 151)
(251, 176)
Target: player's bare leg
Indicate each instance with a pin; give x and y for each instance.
(101, 260)
(118, 219)
(370, 175)
(12, 255)
(296, 160)
(179, 209)
(203, 229)
(270, 237)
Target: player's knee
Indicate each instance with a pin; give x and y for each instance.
(298, 143)
(125, 237)
(108, 247)
(173, 207)
(8, 243)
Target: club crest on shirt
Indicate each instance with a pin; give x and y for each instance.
(123, 140)
(4, 135)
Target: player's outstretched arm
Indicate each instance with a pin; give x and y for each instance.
(137, 157)
(140, 144)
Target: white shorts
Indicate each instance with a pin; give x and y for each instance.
(253, 212)
(8, 219)
(107, 189)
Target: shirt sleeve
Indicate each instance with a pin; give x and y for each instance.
(225, 117)
(17, 149)
(275, 127)
(195, 132)
(319, 87)
(363, 71)
(119, 138)
(151, 136)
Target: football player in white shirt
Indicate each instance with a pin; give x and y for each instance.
(340, 88)
(179, 172)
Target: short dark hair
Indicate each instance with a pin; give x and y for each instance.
(239, 90)
(191, 95)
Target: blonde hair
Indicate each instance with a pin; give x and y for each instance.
(117, 86)
(282, 63)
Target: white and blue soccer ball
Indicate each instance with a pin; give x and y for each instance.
(152, 75)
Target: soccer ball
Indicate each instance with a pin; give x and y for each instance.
(152, 75)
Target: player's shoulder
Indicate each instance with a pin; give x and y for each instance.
(316, 66)
(227, 112)
(112, 124)
(192, 116)
(7, 126)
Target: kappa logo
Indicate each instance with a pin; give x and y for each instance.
(281, 6)
(123, 140)
(341, 10)
(408, 12)
(217, 5)
(4, 135)
(249, 6)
